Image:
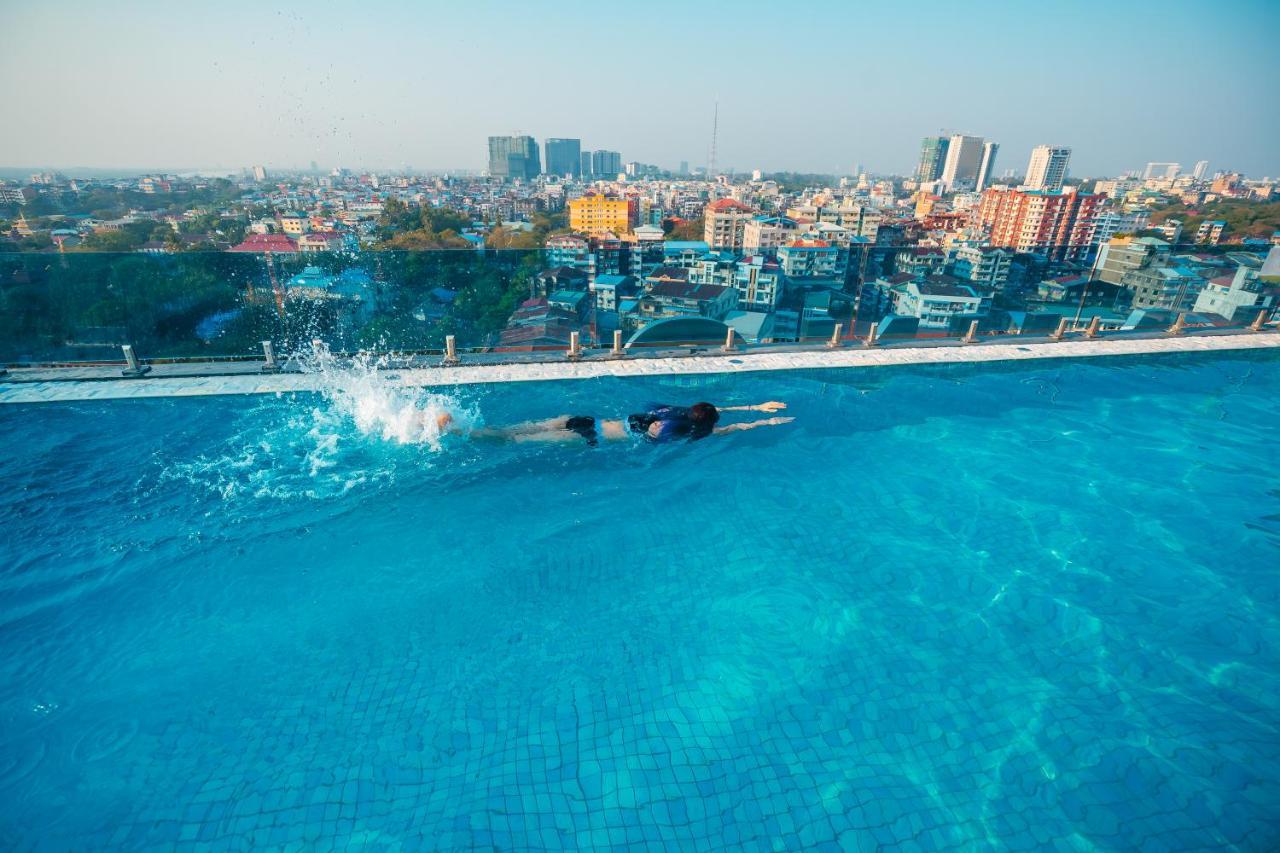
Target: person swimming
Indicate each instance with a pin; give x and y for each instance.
(658, 423)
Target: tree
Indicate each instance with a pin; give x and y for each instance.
(688, 229)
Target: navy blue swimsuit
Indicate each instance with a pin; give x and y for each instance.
(674, 423)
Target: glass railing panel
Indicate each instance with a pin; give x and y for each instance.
(82, 306)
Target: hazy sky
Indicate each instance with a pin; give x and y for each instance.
(805, 86)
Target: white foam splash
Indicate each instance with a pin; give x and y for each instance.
(326, 448)
(359, 391)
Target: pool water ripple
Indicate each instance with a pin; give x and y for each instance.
(974, 608)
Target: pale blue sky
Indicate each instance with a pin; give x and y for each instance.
(807, 86)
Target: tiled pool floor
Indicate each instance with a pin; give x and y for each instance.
(1018, 608)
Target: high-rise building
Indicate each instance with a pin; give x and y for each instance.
(514, 157)
(259, 173)
(684, 167)
(964, 157)
(1056, 224)
(988, 165)
(1048, 168)
(1201, 171)
(584, 168)
(1165, 171)
(933, 154)
(606, 164)
(564, 157)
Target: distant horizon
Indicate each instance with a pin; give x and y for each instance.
(402, 83)
(11, 173)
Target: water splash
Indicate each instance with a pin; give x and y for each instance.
(356, 433)
(358, 390)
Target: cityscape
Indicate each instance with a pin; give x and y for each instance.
(640, 427)
(607, 245)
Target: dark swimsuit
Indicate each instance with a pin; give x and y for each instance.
(675, 420)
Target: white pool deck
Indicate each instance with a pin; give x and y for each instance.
(106, 384)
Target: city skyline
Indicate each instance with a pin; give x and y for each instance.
(265, 87)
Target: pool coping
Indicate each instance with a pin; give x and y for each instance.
(119, 388)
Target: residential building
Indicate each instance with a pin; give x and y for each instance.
(933, 155)
(320, 241)
(1175, 288)
(559, 279)
(986, 267)
(267, 244)
(863, 220)
(759, 283)
(596, 214)
(669, 293)
(538, 323)
(964, 158)
(294, 223)
(1122, 255)
(1211, 231)
(1048, 168)
(570, 250)
(1058, 224)
(801, 259)
(764, 234)
(1109, 223)
(1201, 170)
(1171, 229)
(724, 224)
(644, 250)
(986, 169)
(609, 289)
(563, 157)
(1238, 297)
(935, 300)
(514, 157)
(584, 166)
(1161, 171)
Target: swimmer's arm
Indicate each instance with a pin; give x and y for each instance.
(752, 425)
(771, 406)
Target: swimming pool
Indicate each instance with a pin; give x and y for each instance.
(947, 607)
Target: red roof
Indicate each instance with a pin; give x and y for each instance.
(266, 243)
(728, 204)
(809, 244)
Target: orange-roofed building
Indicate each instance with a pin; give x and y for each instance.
(724, 224)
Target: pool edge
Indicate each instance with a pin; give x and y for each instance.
(243, 384)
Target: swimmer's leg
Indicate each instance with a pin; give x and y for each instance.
(514, 431)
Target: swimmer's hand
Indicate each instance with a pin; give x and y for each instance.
(772, 406)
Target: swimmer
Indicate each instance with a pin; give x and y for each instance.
(658, 423)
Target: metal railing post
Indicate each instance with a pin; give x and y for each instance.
(972, 336)
(575, 347)
(1095, 325)
(269, 365)
(1255, 326)
(835, 336)
(450, 351)
(1179, 325)
(871, 337)
(728, 341)
(1060, 332)
(134, 370)
(617, 351)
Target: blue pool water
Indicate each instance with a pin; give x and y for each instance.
(952, 608)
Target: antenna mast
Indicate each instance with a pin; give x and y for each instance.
(711, 159)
